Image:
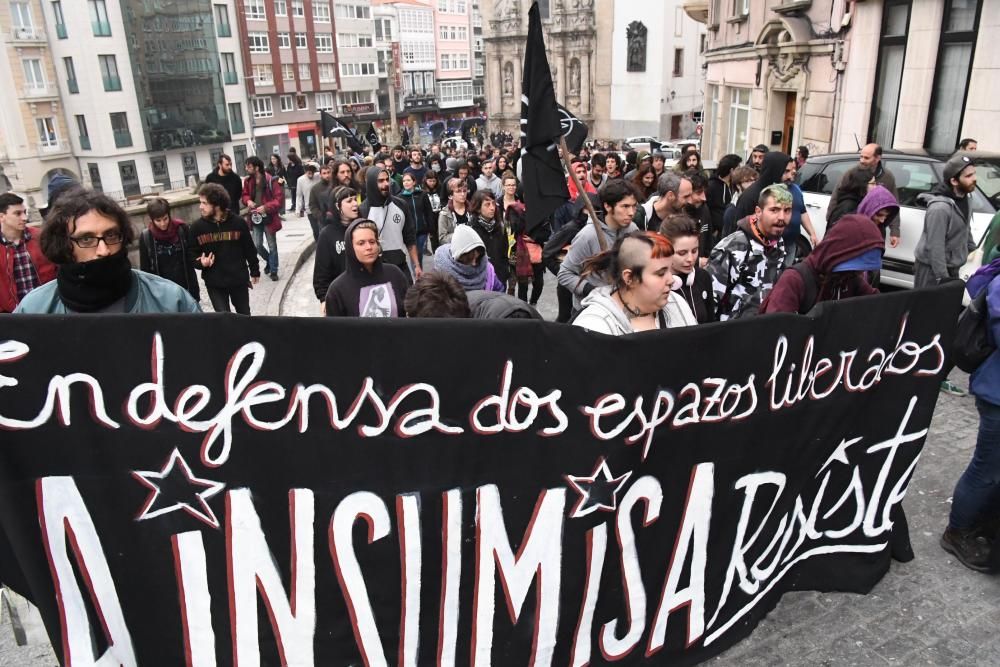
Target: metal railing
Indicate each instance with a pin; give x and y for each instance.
(230, 78)
(45, 90)
(61, 30)
(123, 138)
(73, 86)
(101, 28)
(27, 34)
(112, 83)
(85, 143)
(224, 30)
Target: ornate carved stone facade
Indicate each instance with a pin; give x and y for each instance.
(571, 41)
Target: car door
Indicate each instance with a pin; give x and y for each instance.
(913, 178)
(818, 181)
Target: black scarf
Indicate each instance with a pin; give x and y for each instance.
(86, 287)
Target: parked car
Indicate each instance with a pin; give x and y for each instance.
(640, 143)
(914, 174)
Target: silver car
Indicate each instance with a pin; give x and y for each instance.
(914, 174)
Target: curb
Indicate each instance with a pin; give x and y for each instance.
(303, 252)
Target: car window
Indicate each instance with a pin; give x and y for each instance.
(824, 178)
(912, 179)
(988, 180)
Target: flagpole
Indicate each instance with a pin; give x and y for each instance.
(581, 193)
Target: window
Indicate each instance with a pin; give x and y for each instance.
(255, 10)
(263, 74)
(261, 107)
(327, 73)
(324, 101)
(383, 58)
(678, 62)
(352, 12)
(443, 34)
(741, 7)
(280, 8)
(324, 43)
(60, 21)
(71, 82)
(454, 92)
(454, 61)
(81, 128)
(20, 15)
(739, 120)
(287, 72)
(355, 97)
(119, 127)
(321, 11)
(284, 40)
(460, 7)
(47, 138)
(99, 18)
(889, 72)
(258, 42)
(229, 74)
(300, 40)
(301, 102)
(298, 8)
(34, 75)
(417, 53)
(236, 118)
(223, 29)
(109, 72)
(357, 69)
(383, 30)
(304, 73)
(416, 20)
(712, 138)
(286, 103)
(353, 41)
(951, 78)
(715, 13)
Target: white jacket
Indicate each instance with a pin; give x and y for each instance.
(602, 314)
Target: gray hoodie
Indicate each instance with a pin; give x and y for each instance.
(602, 314)
(585, 245)
(946, 241)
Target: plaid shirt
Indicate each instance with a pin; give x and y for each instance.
(25, 276)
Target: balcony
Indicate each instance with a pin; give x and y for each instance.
(73, 86)
(230, 78)
(27, 34)
(61, 30)
(51, 148)
(123, 138)
(85, 143)
(38, 92)
(101, 28)
(112, 83)
(224, 30)
(697, 10)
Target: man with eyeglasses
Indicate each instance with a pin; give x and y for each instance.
(87, 237)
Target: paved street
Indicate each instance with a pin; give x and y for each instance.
(931, 611)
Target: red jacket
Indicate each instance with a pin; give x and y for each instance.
(273, 195)
(45, 269)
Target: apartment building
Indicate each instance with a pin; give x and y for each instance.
(125, 96)
(34, 138)
(291, 72)
(832, 75)
(478, 59)
(453, 20)
(358, 60)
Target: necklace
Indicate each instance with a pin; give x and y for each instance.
(632, 313)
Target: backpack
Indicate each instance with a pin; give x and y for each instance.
(973, 344)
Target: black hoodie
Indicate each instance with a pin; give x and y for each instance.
(770, 173)
(235, 253)
(396, 229)
(358, 292)
(331, 253)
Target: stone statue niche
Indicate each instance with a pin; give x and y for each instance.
(574, 77)
(508, 80)
(636, 35)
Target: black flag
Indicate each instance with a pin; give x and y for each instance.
(655, 146)
(334, 127)
(574, 129)
(372, 137)
(404, 136)
(542, 174)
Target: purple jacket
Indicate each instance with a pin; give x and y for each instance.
(985, 381)
(878, 199)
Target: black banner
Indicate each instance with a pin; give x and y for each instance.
(213, 490)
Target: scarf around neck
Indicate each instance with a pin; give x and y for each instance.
(87, 287)
(169, 235)
(469, 277)
(488, 225)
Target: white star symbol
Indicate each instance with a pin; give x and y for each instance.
(585, 485)
(202, 511)
(839, 454)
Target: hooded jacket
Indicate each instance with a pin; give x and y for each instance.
(853, 235)
(235, 253)
(146, 294)
(396, 229)
(946, 241)
(358, 292)
(497, 244)
(585, 245)
(770, 173)
(499, 306)
(482, 276)
(602, 314)
(743, 271)
(985, 380)
(880, 198)
(331, 253)
(418, 207)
